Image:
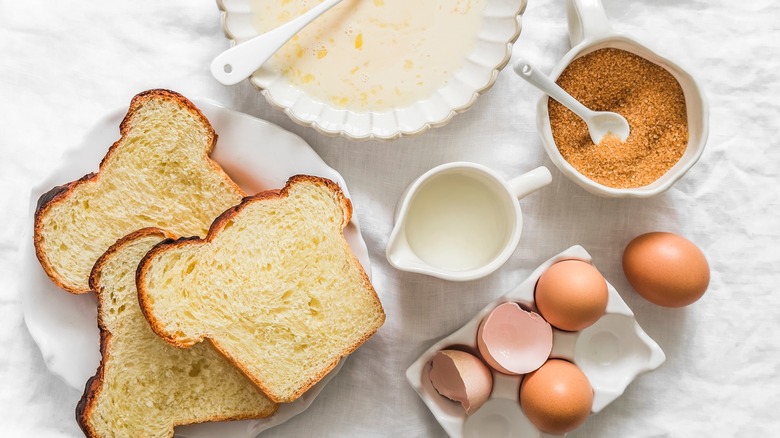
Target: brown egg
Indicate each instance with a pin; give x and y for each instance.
(571, 295)
(557, 397)
(666, 269)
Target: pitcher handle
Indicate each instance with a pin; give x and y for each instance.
(587, 20)
(530, 182)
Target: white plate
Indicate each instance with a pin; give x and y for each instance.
(500, 29)
(611, 353)
(257, 155)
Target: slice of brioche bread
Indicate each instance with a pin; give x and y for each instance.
(144, 386)
(158, 174)
(274, 286)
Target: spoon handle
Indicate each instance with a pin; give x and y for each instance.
(541, 81)
(239, 62)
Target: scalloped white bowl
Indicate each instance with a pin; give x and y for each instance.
(500, 29)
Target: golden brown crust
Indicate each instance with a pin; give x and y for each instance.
(215, 228)
(92, 389)
(230, 213)
(59, 193)
(94, 385)
(45, 201)
(143, 300)
(97, 269)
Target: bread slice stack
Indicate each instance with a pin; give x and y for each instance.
(274, 286)
(158, 174)
(272, 289)
(144, 386)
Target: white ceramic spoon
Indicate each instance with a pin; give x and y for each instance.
(600, 123)
(239, 62)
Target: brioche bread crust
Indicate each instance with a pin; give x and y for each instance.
(216, 227)
(57, 194)
(45, 202)
(95, 384)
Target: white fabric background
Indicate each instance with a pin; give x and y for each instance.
(64, 64)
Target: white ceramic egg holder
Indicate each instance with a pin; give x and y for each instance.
(612, 353)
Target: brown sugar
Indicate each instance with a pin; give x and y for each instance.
(650, 99)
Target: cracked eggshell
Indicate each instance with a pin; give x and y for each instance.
(514, 341)
(461, 377)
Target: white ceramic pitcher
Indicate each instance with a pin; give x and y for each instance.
(460, 221)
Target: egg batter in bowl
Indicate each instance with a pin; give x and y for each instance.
(373, 55)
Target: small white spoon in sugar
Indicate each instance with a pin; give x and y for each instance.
(600, 123)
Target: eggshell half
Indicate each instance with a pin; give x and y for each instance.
(461, 377)
(514, 341)
(557, 397)
(666, 269)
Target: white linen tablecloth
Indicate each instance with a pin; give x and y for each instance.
(64, 64)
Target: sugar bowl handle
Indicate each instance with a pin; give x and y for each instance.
(587, 20)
